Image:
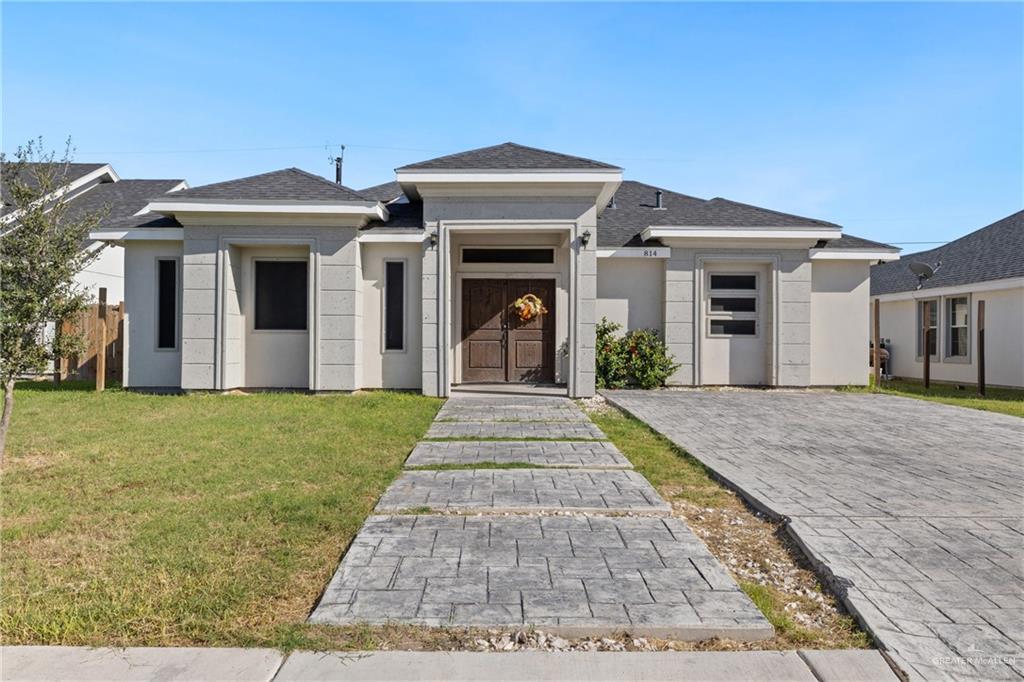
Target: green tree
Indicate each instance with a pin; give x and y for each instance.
(41, 252)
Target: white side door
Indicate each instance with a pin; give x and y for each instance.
(733, 343)
(277, 317)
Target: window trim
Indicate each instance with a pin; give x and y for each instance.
(947, 302)
(177, 304)
(251, 319)
(919, 344)
(384, 307)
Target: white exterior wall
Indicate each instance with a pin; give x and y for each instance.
(1004, 331)
(391, 369)
(631, 292)
(145, 365)
(107, 270)
(840, 324)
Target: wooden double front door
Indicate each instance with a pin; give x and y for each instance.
(497, 346)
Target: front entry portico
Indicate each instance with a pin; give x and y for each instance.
(497, 346)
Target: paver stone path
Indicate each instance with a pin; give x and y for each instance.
(585, 547)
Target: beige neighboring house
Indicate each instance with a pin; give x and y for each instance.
(95, 187)
(986, 265)
(286, 279)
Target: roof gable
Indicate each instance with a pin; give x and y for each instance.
(993, 252)
(288, 184)
(509, 156)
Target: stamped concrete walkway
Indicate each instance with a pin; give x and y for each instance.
(912, 509)
(588, 549)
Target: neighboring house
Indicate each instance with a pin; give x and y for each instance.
(987, 265)
(95, 187)
(288, 280)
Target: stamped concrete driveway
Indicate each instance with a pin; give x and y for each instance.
(912, 510)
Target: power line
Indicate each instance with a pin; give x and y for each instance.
(226, 150)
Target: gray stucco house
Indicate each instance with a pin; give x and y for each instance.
(289, 280)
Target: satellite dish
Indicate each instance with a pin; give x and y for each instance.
(924, 272)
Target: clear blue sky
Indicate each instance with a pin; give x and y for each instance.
(902, 122)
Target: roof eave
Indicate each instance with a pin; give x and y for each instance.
(738, 232)
(374, 210)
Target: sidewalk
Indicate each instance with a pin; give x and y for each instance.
(38, 663)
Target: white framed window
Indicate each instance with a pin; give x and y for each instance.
(933, 326)
(732, 304)
(394, 302)
(958, 327)
(167, 303)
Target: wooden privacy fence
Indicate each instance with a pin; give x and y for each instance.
(88, 323)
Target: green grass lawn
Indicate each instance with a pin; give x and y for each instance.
(1005, 400)
(134, 519)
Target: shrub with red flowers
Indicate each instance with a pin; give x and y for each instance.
(638, 359)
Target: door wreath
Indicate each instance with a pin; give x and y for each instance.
(528, 307)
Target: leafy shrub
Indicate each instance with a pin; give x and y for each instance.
(639, 358)
(611, 357)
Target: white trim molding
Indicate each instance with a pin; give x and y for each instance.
(367, 209)
(145, 234)
(636, 252)
(393, 238)
(975, 287)
(746, 233)
(855, 254)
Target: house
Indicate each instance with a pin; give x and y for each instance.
(286, 279)
(983, 266)
(90, 188)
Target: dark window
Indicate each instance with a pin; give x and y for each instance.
(734, 327)
(508, 255)
(733, 305)
(281, 295)
(394, 305)
(167, 304)
(733, 281)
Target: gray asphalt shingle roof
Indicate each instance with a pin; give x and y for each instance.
(118, 199)
(72, 172)
(288, 184)
(509, 156)
(635, 210)
(405, 215)
(385, 192)
(993, 252)
(848, 241)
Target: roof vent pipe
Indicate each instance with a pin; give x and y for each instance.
(611, 204)
(657, 199)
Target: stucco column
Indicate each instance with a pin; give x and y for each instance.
(584, 341)
(679, 288)
(199, 311)
(340, 315)
(430, 302)
(794, 319)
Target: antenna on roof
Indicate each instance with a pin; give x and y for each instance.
(924, 272)
(337, 161)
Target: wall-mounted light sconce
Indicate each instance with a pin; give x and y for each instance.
(433, 239)
(585, 238)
